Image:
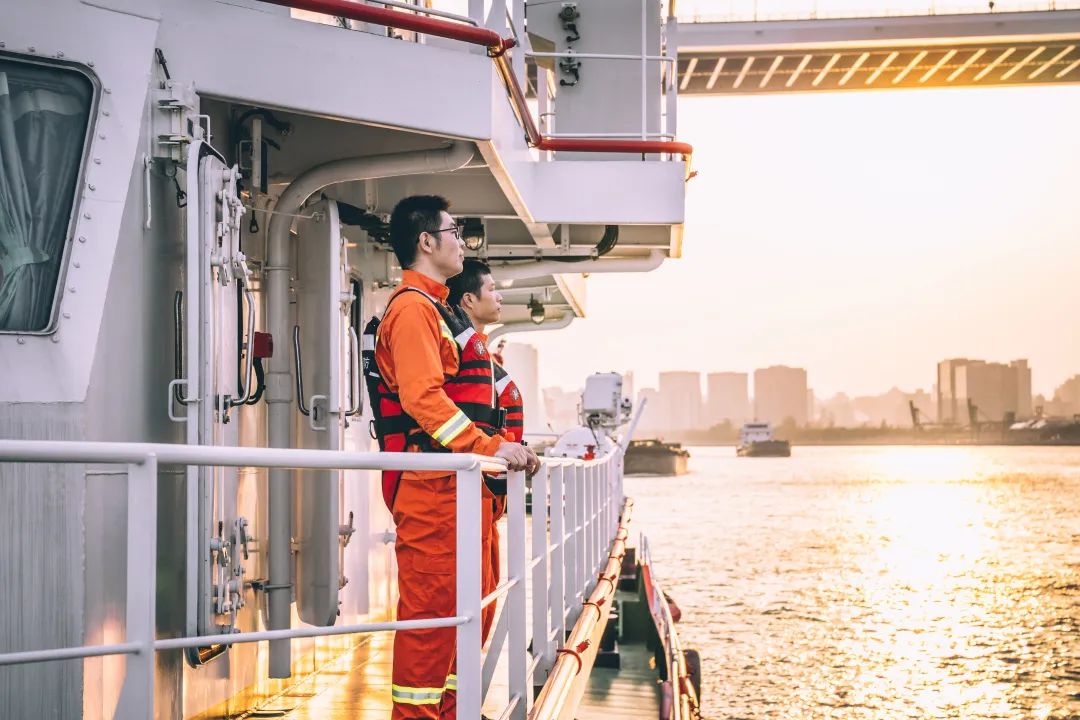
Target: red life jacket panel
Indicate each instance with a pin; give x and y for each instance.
(511, 405)
(472, 389)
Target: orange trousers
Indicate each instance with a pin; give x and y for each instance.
(424, 673)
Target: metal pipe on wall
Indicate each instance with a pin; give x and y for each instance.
(517, 327)
(278, 376)
(522, 270)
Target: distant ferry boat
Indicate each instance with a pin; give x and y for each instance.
(756, 440)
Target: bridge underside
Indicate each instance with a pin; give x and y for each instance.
(1036, 48)
(817, 70)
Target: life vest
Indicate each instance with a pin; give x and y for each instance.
(510, 404)
(472, 389)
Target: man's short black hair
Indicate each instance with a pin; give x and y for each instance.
(469, 280)
(414, 215)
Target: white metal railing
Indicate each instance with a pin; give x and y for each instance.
(581, 501)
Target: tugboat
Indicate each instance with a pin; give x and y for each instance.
(756, 440)
(655, 457)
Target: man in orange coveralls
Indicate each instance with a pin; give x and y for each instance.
(473, 291)
(415, 356)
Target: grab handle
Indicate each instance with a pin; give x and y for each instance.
(174, 391)
(355, 401)
(299, 366)
(250, 345)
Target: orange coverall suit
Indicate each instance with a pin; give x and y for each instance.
(415, 353)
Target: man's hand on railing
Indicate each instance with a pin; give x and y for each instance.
(517, 456)
(534, 461)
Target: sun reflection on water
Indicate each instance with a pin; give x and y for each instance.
(878, 582)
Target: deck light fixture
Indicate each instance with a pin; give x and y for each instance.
(536, 310)
(472, 233)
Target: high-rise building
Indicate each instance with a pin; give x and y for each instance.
(779, 394)
(1066, 398)
(680, 398)
(728, 398)
(948, 410)
(1024, 407)
(988, 390)
(652, 417)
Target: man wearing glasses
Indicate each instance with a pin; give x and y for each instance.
(417, 353)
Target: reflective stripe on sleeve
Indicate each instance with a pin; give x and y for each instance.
(416, 695)
(444, 329)
(464, 337)
(451, 428)
(451, 683)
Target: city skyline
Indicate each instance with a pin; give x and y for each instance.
(696, 400)
(929, 387)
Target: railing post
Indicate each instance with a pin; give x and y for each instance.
(581, 563)
(468, 592)
(517, 662)
(557, 595)
(137, 696)
(540, 626)
(671, 95)
(571, 557)
(594, 525)
(599, 539)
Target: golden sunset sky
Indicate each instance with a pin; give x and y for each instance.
(863, 236)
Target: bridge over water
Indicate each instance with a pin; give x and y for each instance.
(750, 53)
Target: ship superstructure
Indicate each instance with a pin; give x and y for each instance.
(194, 197)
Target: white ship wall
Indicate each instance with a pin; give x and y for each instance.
(104, 374)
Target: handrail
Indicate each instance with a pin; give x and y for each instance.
(583, 507)
(497, 47)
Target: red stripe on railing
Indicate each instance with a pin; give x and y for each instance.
(497, 48)
(404, 20)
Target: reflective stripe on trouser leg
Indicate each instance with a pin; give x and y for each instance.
(416, 695)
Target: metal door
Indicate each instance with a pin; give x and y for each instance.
(219, 326)
(326, 353)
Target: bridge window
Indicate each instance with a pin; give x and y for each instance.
(44, 113)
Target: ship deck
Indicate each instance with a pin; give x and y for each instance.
(356, 686)
(630, 693)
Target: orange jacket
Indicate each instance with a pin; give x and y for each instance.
(416, 353)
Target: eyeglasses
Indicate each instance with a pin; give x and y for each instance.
(456, 229)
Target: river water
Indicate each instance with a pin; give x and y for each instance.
(882, 582)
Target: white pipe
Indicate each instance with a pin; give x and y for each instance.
(278, 376)
(523, 270)
(530, 326)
